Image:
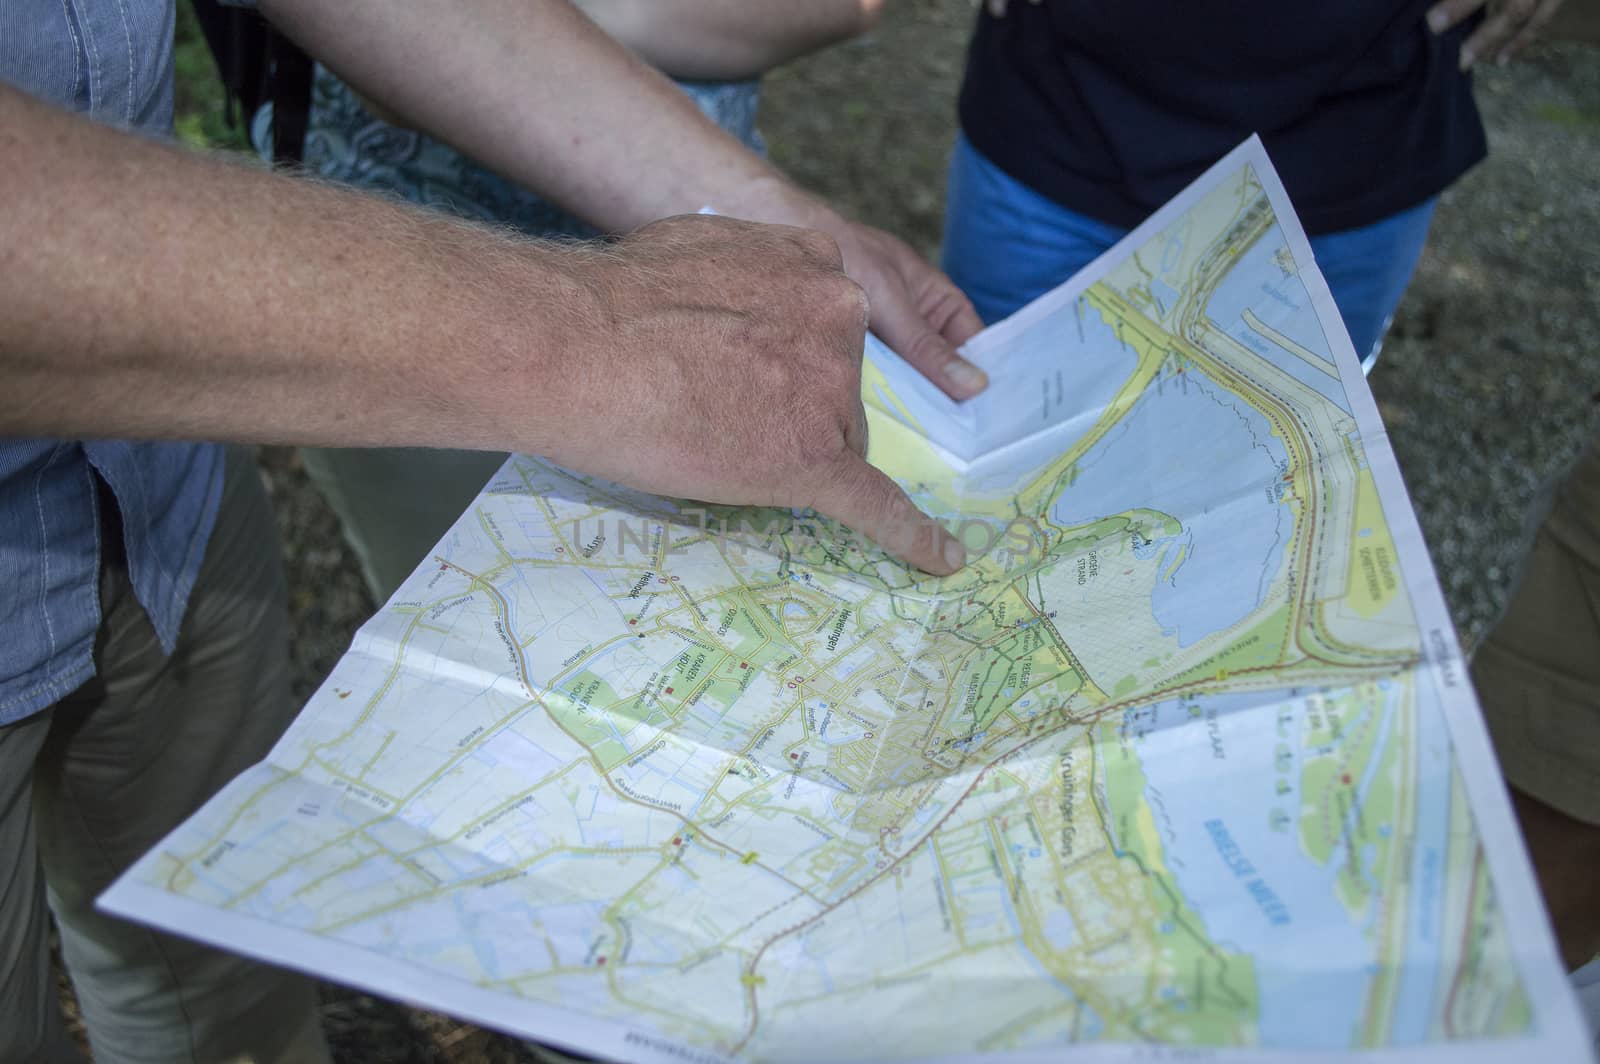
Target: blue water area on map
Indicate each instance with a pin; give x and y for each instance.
(1165, 295)
(1223, 778)
(1280, 300)
(1059, 930)
(1202, 455)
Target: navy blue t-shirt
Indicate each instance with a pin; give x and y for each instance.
(1110, 107)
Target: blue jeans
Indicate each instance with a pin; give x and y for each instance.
(1005, 245)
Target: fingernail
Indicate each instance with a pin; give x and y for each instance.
(1467, 59)
(955, 555)
(964, 377)
(1438, 21)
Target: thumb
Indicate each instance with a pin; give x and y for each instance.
(898, 322)
(872, 504)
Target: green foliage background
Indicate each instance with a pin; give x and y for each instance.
(202, 113)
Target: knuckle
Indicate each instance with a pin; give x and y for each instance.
(927, 351)
(818, 443)
(902, 527)
(850, 301)
(838, 301)
(860, 303)
(943, 304)
(865, 496)
(820, 245)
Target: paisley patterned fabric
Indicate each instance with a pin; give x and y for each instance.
(346, 143)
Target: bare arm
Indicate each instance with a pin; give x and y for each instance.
(537, 92)
(149, 293)
(729, 39)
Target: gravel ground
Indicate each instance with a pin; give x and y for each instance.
(1488, 386)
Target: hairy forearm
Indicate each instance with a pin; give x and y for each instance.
(540, 94)
(149, 293)
(729, 39)
(152, 293)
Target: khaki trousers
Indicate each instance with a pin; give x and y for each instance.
(1538, 673)
(87, 786)
(396, 503)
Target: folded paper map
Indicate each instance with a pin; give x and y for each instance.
(1185, 765)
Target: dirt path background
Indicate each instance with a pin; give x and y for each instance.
(1488, 385)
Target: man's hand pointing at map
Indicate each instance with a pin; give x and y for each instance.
(737, 379)
(701, 357)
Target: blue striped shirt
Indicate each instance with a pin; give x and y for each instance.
(112, 61)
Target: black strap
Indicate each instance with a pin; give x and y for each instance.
(257, 64)
(292, 74)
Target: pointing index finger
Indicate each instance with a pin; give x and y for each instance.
(865, 499)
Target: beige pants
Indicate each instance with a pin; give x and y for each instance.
(395, 503)
(87, 786)
(1538, 673)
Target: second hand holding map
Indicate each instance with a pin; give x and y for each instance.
(1187, 758)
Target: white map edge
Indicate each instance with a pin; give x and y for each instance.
(1559, 1021)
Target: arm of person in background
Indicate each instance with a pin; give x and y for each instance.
(537, 92)
(729, 40)
(1508, 25)
(154, 294)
